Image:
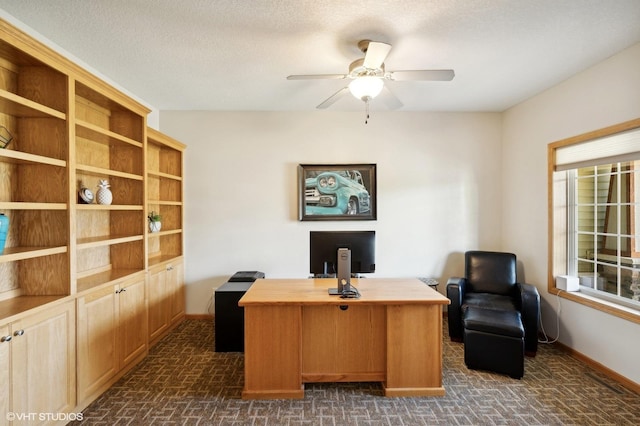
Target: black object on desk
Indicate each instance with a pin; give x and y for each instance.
(229, 317)
(431, 282)
(246, 276)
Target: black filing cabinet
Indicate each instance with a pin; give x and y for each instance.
(229, 317)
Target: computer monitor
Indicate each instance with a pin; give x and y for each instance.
(324, 245)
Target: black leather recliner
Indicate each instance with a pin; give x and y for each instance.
(490, 282)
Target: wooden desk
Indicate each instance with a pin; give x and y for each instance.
(296, 333)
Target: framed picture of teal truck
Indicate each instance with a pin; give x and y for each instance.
(337, 191)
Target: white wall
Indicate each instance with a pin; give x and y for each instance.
(606, 94)
(438, 189)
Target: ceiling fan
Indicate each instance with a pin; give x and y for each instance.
(367, 76)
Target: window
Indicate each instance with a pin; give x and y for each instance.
(604, 247)
(594, 217)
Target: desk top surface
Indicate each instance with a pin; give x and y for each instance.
(385, 291)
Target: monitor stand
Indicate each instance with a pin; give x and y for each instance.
(344, 273)
(342, 288)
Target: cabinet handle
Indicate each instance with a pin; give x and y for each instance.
(5, 339)
(123, 290)
(118, 291)
(169, 268)
(18, 333)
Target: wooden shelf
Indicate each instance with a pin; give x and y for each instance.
(18, 205)
(104, 136)
(165, 203)
(102, 172)
(164, 233)
(19, 157)
(12, 254)
(85, 243)
(106, 240)
(16, 105)
(156, 260)
(111, 276)
(107, 207)
(17, 305)
(164, 175)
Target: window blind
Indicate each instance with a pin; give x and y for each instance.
(619, 147)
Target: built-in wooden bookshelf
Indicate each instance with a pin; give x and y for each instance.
(34, 110)
(80, 272)
(109, 145)
(164, 195)
(164, 179)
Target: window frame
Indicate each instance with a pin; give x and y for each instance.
(558, 237)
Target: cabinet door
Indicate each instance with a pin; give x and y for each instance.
(132, 321)
(97, 333)
(5, 348)
(158, 303)
(43, 362)
(175, 283)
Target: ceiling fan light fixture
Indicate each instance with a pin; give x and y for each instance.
(366, 87)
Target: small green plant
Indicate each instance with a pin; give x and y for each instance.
(154, 217)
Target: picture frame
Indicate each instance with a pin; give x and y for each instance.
(337, 192)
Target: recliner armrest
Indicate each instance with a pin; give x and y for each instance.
(530, 311)
(455, 292)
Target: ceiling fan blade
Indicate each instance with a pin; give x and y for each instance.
(376, 54)
(389, 99)
(317, 77)
(425, 75)
(333, 98)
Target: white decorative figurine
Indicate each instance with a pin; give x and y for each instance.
(104, 195)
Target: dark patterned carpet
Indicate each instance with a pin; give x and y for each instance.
(184, 382)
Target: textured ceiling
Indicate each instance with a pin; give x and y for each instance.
(236, 54)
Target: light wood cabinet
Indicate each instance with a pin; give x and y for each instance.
(112, 334)
(132, 321)
(5, 362)
(158, 303)
(165, 158)
(39, 366)
(97, 329)
(175, 287)
(70, 130)
(166, 298)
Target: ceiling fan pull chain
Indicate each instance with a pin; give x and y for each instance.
(366, 102)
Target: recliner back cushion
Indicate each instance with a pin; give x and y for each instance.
(490, 272)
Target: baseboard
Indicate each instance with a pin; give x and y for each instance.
(629, 384)
(199, 316)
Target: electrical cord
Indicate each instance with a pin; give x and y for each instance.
(546, 339)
